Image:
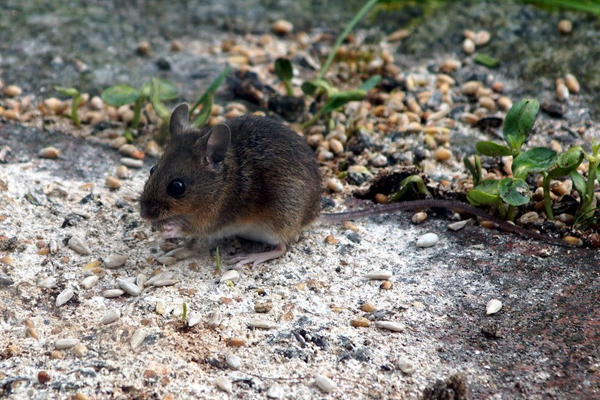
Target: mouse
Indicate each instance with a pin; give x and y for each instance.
(254, 178)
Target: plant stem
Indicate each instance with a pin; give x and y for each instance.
(512, 213)
(361, 13)
(591, 180)
(75, 109)
(289, 88)
(312, 121)
(547, 199)
(137, 111)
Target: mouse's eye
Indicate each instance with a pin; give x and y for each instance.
(152, 170)
(176, 188)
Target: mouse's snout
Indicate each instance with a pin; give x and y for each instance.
(149, 210)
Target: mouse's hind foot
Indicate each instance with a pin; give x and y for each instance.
(256, 258)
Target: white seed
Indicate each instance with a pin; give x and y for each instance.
(324, 383)
(47, 283)
(419, 217)
(276, 391)
(65, 343)
(194, 318)
(64, 296)
(138, 337)
(504, 103)
(482, 38)
(233, 361)
(390, 326)
(165, 282)
(89, 282)
(180, 253)
(80, 351)
(470, 88)
(110, 317)
(140, 280)
(50, 152)
(493, 306)
(127, 149)
(116, 143)
(282, 27)
(114, 261)
(261, 323)
(379, 275)
(562, 92)
(457, 226)
(572, 83)
(160, 276)
(53, 246)
(152, 149)
(110, 293)
(80, 212)
(231, 275)
(96, 103)
(12, 90)
(336, 146)
(215, 319)
(406, 366)
(161, 308)
(166, 260)
(132, 162)
(468, 46)
(565, 26)
(224, 384)
(335, 185)
(77, 244)
(129, 287)
(428, 240)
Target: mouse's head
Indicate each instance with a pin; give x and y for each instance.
(183, 193)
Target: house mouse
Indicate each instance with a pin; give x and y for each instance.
(254, 178)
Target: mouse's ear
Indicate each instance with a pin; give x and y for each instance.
(179, 120)
(217, 144)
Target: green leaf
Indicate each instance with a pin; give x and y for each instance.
(493, 149)
(486, 60)
(166, 89)
(120, 95)
(370, 83)
(311, 87)
(212, 88)
(157, 104)
(571, 158)
(338, 100)
(579, 183)
(204, 113)
(71, 91)
(514, 191)
(412, 181)
(519, 121)
(284, 69)
(485, 193)
(535, 160)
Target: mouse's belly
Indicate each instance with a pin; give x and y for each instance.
(255, 232)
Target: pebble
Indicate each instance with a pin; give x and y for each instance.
(132, 162)
(80, 351)
(113, 183)
(233, 361)
(390, 326)
(493, 306)
(81, 212)
(130, 288)
(360, 322)
(572, 83)
(419, 217)
(428, 240)
(379, 161)
(78, 245)
(261, 323)
(194, 319)
(12, 91)
(64, 296)
(144, 47)
(282, 27)
(275, 391)
(231, 275)
(47, 283)
(468, 46)
(386, 285)
(379, 275)
(89, 282)
(96, 103)
(138, 337)
(565, 26)
(114, 261)
(166, 260)
(43, 377)
(368, 307)
(123, 172)
(60, 344)
(111, 293)
(442, 154)
(482, 38)
(110, 317)
(263, 306)
(457, 226)
(324, 383)
(406, 366)
(224, 384)
(335, 185)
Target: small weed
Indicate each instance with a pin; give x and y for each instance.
(76, 99)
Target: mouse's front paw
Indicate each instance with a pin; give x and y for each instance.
(255, 258)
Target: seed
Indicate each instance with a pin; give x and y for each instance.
(282, 27)
(224, 384)
(275, 391)
(138, 337)
(450, 65)
(233, 361)
(482, 38)
(572, 83)
(493, 306)
(379, 275)
(31, 332)
(12, 91)
(231, 275)
(11, 115)
(487, 102)
(263, 306)
(419, 217)
(470, 118)
(144, 48)
(414, 127)
(566, 218)
(165, 282)
(64, 296)
(55, 105)
(442, 154)
(324, 383)
(386, 285)
(390, 326)
(43, 377)
(504, 103)
(414, 107)
(559, 188)
(132, 162)
(236, 342)
(215, 319)
(79, 351)
(335, 185)
(488, 224)
(123, 172)
(360, 322)
(428, 240)
(562, 92)
(89, 282)
(565, 26)
(50, 152)
(113, 183)
(60, 344)
(381, 198)
(127, 149)
(456, 226)
(111, 293)
(261, 323)
(110, 317)
(573, 241)
(47, 283)
(468, 46)
(368, 307)
(397, 35)
(406, 366)
(114, 261)
(336, 146)
(129, 287)
(77, 244)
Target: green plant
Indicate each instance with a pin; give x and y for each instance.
(219, 268)
(207, 100)
(184, 314)
(414, 183)
(76, 99)
(285, 72)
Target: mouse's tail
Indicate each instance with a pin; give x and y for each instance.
(433, 203)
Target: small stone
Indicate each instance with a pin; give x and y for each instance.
(137, 338)
(572, 83)
(12, 91)
(261, 323)
(275, 391)
(112, 293)
(335, 185)
(419, 217)
(231, 275)
(428, 240)
(114, 261)
(406, 366)
(386, 285)
(64, 297)
(43, 377)
(224, 384)
(457, 226)
(233, 361)
(194, 318)
(390, 326)
(282, 27)
(236, 342)
(565, 26)
(80, 351)
(47, 283)
(60, 344)
(360, 322)
(468, 46)
(482, 38)
(130, 288)
(324, 383)
(113, 183)
(442, 154)
(110, 317)
(176, 45)
(379, 161)
(78, 245)
(166, 260)
(379, 275)
(493, 306)
(368, 307)
(89, 282)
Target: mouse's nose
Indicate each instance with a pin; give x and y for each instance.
(149, 211)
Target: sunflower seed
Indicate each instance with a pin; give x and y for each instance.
(457, 226)
(390, 326)
(165, 282)
(114, 261)
(138, 337)
(132, 162)
(47, 283)
(233, 361)
(77, 244)
(261, 323)
(231, 275)
(129, 287)
(64, 296)
(379, 275)
(224, 384)
(324, 383)
(65, 343)
(110, 317)
(166, 260)
(110, 293)
(428, 240)
(89, 282)
(140, 280)
(493, 306)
